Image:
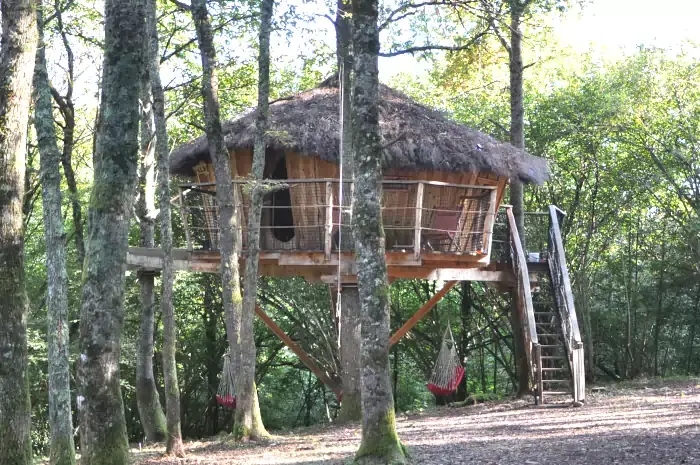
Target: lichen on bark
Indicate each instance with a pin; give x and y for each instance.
(111, 204)
(174, 445)
(17, 54)
(380, 442)
(62, 448)
(248, 422)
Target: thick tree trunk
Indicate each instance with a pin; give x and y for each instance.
(229, 232)
(111, 202)
(174, 444)
(148, 401)
(350, 343)
(62, 450)
(248, 425)
(350, 338)
(380, 441)
(17, 55)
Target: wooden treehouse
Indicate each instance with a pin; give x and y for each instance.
(441, 205)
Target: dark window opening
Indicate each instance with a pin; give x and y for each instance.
(280, 203)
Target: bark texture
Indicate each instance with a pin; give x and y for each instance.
(517, 110)
(62, 450)
(350, 344)
(380, 441)
(351, 406)
(111, 203)
(17, 54)
(517, 138)
(247, 426)
(174, 444)
(147, 398)
(229, 220)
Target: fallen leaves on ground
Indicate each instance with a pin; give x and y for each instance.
(643, 423)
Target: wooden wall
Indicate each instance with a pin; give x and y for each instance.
(399, 200)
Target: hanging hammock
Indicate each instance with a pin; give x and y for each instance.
(226, 394)
(448, 371)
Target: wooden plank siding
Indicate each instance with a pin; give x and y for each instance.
(309, 214)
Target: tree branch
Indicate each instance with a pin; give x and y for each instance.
(424, 48)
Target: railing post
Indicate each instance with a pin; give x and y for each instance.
(539, 384)
(419, 221)
(328, 239)
(185, 219)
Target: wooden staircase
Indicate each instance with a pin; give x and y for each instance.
(545, 306)
(556, 373)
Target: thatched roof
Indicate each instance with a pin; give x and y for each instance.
(420, 138)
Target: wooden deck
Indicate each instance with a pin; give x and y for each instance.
(316, 267)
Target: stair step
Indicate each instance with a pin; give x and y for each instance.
(553, 357)
(553, 369)
(556, 381)
(550, 346)
(556, 393)
(548, 335)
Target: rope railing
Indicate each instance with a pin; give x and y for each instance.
(305, 215)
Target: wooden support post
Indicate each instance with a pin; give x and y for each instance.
(490, 221)
(185, 219)
(421, 312)
(419, 221)
(329, 220)
(294, 347)
(538, 375)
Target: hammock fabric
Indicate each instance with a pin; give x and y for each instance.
(448, 371)
(225, 396)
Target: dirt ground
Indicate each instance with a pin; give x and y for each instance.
(642, 423)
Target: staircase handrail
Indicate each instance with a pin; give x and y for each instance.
(564, 299)
(523, 295)
(561, 280)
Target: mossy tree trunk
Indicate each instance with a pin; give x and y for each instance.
(62, 450)
(148, 401)
(174, 444)
(351, 407)
(380, 441)
(350, 344)
(248, 423)
(17, 54)
(229, 219)
(111, 203)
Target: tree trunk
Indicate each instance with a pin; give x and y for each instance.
(248, 423)
(60, 415)
(517, 112)
(17, 55)
(148, 401)
(229, 225)
(174, 444)
(350, 338)
(350, 343)
(111, 202)
(380, 441)
(67, 108)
